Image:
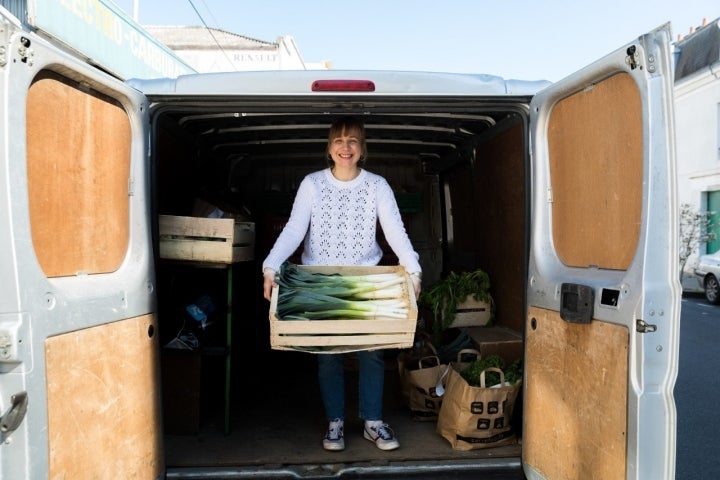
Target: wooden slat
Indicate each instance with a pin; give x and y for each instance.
(472, 313)
(219, 228)
(220, 240)
(284, 327)
(340, 340)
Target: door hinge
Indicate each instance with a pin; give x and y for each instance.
(14, 416)
(26, 53)
(632, 58)
(643, 327)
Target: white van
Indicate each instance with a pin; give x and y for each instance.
(564, 194)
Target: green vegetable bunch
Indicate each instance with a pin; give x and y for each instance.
(444, 296)
(514, 372)
(315, 296)
(471, 373)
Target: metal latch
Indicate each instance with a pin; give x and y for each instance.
(643, 327)
(633, 57)
(25, 52)
(12, 419)
(576, 303)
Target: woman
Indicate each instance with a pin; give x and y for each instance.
(335, 214)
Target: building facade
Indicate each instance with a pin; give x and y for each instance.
(214, 50)
(697, 127)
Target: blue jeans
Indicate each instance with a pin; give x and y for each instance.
(331, 374)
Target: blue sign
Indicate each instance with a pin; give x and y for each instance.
(107, 36)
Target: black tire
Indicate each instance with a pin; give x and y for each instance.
(712, 290)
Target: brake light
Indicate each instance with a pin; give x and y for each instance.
(343, 86)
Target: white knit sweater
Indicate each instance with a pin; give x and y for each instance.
(338, 221)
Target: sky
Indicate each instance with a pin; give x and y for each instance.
(514, 39)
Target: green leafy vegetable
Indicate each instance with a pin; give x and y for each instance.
(471, 373)
(444, 296)
(513, 373)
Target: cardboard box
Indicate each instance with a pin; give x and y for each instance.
(221, 240)
(181, 383)
(472, 313)
(497, 340)
(336, 336)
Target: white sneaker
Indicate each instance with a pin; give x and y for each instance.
(334, 440)
(381, 434)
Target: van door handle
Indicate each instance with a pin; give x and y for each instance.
(12, 419)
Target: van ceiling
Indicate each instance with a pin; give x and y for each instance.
(436, 133)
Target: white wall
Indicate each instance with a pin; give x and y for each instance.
(285, 57)
(697, 108)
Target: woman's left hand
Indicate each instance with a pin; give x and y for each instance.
(268, 283)
(417, 285)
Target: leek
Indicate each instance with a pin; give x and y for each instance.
(316, 296)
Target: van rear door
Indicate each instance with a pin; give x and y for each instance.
(603, 290)
(79, 394)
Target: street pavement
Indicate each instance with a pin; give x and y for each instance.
(697, 391)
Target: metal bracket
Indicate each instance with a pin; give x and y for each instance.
(12, 419)
(643, 327)
(633, 57)
(25, 52)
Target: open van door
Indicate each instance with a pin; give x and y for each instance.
(79, 394)
(603, 288)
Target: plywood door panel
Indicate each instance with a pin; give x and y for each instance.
(103, 392)
(78, 164)
(595, 141)
(575, 416)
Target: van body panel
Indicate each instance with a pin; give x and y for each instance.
(77, 303)
(287, 83)
(489, 173)
(603, 204)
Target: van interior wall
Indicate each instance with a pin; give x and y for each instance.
(489, 209)
(488, 197)
(489, 223)
(175, 180)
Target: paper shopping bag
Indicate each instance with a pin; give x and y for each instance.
(423, 383)
(472, 418)
(421, 372)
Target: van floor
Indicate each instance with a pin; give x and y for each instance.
(276, 418)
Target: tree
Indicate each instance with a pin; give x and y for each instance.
(695, 228)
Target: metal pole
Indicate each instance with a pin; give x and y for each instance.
(136, 10)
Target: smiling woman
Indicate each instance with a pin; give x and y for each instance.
(335, 216)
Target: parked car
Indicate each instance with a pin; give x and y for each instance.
(708, 270)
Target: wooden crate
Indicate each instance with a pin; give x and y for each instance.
(472, 313)
(221, 240)
(336, 336)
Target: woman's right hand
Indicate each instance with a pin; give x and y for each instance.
(268, 283)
